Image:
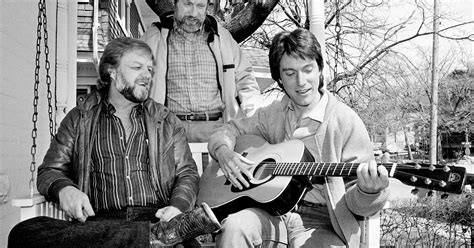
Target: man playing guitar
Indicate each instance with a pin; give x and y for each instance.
(330, 130)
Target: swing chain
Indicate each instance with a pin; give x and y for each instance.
(338, 45)
(42, 22)
(47, 66)
(337, 29)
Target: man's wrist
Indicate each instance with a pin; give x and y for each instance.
(57, 186)
(220, 147)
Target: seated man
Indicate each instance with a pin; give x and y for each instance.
(330, 130)
(118, 157)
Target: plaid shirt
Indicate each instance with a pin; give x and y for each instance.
(192, 77)
(120, 166)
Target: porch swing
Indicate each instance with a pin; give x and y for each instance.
(35, 204)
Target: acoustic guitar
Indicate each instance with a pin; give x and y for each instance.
(280, 179)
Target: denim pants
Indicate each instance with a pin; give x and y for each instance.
(305, 227)
(123, 228)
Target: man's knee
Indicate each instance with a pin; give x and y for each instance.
(235, 224)
(24, 233)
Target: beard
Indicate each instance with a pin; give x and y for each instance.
(189, 24)
(131, 92)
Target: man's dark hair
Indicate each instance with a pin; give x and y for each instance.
(299, 43)
(113, 53)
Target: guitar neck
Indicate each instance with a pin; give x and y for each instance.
(319, 169)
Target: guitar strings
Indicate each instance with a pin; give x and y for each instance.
(344, 166)
(272, 165)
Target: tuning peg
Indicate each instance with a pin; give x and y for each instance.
(417, 166)
(414, 191)
(444, 196)
(427, 181)
(446, 168)
(413, 179)
(442, 184)
(432, 167)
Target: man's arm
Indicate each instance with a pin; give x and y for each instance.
(246, 85)
(369, 194)
(56, 171)
(222, 143)
(187, 178)
(54, 174)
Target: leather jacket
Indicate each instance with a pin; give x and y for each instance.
(174, 174)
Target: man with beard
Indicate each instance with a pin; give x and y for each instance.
(119, 160)
(202, 75)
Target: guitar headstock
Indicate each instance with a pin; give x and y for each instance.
(443, 178)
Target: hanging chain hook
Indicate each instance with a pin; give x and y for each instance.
(34, 132)
(42, 26)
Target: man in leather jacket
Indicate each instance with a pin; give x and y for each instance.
(117, 156)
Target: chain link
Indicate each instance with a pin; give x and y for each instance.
(339, 54)
(48, 77)
(42, 26)
(337, 43)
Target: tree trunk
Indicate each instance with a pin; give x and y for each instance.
(249, 19)
(434, 88)
(160, 6)
(410, 155)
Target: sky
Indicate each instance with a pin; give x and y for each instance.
(460, 51)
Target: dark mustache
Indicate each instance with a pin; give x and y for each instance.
(191, 18)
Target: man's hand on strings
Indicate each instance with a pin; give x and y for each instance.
(233, 165)
(372, 178)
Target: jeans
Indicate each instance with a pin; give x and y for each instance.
(121, 228)
(305, 227)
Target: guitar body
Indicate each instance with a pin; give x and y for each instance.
(275, 194)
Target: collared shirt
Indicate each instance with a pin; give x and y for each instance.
(305, 129)
(192, 84)
(120, 165)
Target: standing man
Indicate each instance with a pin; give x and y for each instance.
(202, 75)
(330, 130)
(118, 157)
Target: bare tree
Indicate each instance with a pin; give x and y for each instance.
(365, 36)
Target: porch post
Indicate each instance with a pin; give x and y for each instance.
(316, 26)
(72, 54)
(66, 57)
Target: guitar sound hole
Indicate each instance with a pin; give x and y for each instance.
(264, 169)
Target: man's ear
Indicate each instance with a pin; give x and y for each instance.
(112, 73)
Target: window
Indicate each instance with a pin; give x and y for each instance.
(123, 15)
